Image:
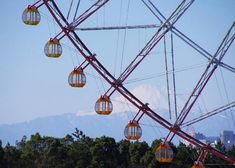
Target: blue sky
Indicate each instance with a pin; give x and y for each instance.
(36, 86)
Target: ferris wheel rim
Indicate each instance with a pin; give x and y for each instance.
(167, 125)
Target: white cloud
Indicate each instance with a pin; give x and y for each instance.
(156, 97)
(85, 113)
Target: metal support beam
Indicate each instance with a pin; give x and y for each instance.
(209, 71)
(93, 61)
(118, 27)
(162, 30)
(182, 36)
(80, 19)
(209, 114)
(96, 6)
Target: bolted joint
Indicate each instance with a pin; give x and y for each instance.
(145, 106)
(118, 82)
(69, 28)
(92, 57)
(176, 127)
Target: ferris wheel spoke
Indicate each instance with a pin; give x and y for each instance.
(182, 36)
(189, 138)
(65, 26)
(94, 62)
(117, 83)
(228, 67)
(96, 6)
(209, 114)
(162, 30)
(210, 69)
(36, 3)
(118, 27)
(120, 88)
(203, 146)
(149, 112)
(56, 9)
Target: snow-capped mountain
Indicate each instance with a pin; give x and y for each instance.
(96, 126)
(113, 125)
(92, 125)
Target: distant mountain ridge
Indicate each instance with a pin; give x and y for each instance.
(58, 126)
(96, 125)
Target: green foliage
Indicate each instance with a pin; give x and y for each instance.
(1, 154)
(136, 152)
(231, 152)
(11, 156)
(80, 151)
(105, 152)
(184, 152)
(124, 157)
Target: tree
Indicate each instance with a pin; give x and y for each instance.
(11, 157)
(105, 152)
(136, 152)
(220, 146)
(148, 160)
(55, 153)
(78, 134)
(215, 160)
(1, 155)
(31, 151)
(124, 157)
(231, 152)
(80, 154)
(183, 156)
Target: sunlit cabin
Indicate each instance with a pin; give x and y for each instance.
(77, 78)
(164, 153)
(103, 105)
(133, 131)
(53, 48)
(198, 165)
(31, 16)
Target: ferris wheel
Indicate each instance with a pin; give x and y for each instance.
(69, 27)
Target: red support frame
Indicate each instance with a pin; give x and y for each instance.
(117, 85)
(36, 4)
(209, 71)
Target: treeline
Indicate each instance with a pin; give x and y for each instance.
(80, 151)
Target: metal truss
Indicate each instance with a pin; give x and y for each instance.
(68, 30)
